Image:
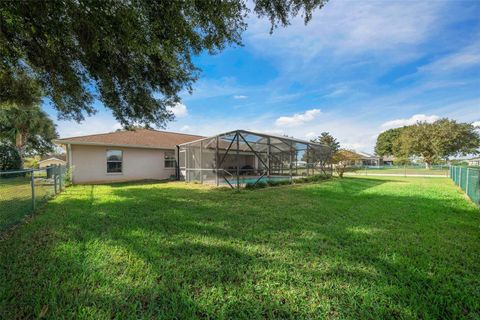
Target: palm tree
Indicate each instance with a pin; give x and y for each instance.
(29, 128)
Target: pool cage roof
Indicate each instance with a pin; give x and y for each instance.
(240, 157)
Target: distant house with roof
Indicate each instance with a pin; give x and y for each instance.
(474, 161)
(363, 159)
(387, 160)
(367, 159)
(52, 160)
(123, 155)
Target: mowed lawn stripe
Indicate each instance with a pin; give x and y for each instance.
(363, 247)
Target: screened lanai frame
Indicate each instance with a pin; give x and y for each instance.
(238, 157)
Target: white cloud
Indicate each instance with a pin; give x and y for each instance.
(91, 125)
(298, 118)
(350, 27)
(240, 97)
(206, 88)
(464, 58)
(310, 134)
(179, 110)
(476, 124)
(186, 128)
(409, 121)
(336, 93)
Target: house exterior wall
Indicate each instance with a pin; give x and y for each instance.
(47, 163)
(474, 162)
(90, 164)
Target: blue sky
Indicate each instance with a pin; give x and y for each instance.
(358, 68)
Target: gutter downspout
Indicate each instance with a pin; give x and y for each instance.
(177, 167)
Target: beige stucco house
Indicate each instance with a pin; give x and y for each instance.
(52, 161)
(124, 155)
(474, 161)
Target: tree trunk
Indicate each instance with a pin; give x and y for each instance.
(18, 140)
(20, 146)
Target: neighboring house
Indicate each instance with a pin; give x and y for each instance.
(301, 164)
(362, 159)
(387, 160)
(52, 160)
(367, 159)
(124, 155)
(474, 161)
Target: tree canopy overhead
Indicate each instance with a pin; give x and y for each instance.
(134, 56)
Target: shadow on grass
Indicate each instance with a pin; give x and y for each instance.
(336, 249)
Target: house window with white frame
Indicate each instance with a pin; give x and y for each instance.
(170, 160)
(114, 161)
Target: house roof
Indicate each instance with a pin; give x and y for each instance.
(366, 155)
(62, 157)
(140, 138)
(53, 158)
(388, 158)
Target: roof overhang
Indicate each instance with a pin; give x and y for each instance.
(102, 144)
(53, 158)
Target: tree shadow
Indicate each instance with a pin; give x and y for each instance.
(319, 250)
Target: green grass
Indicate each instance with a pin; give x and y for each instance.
(16, 198)
(383, 247)
(402, 171)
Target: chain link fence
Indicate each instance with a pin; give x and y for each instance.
(23, 191)
(405, 171)
(468, 179)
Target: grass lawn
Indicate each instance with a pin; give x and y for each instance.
(362, 247)
(402, 171)
(16, 198)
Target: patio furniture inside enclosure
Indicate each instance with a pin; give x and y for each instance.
(239, 157)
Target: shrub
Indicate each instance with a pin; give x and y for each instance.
(67, 176)
(9, 158)
(314, 178)
(273, 183)
(258, 185)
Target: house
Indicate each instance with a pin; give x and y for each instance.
(474, 161)
(52, 160)
(366, 159)
(123, 155)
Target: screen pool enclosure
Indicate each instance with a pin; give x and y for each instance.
(242, 157)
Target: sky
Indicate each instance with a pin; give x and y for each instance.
(356, 69)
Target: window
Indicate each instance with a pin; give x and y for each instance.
(170, 161)
(114, 161)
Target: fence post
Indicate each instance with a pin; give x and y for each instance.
(478, 189)
(60, 168)
(460, 178)
(32, 183)
(55, 174)
(466, 182)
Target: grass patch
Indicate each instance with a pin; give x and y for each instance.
(16, 198)
(379, 247)
(400, 171)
